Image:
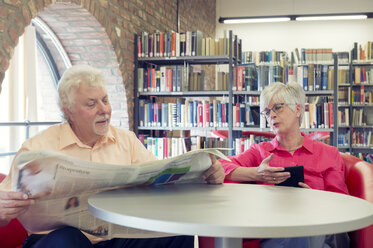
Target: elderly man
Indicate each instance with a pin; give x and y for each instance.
(87, 134)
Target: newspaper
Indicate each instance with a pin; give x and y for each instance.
(62, 185)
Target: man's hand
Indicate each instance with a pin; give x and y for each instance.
(13, 204)
(271, 175)
(215, 174)
(31, 178)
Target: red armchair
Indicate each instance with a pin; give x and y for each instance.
(12, 235)
(359, 180)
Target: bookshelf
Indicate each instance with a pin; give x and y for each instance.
(242, 93)
(359, 107)
(327, 94)
(182, 93)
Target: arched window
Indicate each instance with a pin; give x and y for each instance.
(29, 91)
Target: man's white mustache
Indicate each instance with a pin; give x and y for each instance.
(102, 118)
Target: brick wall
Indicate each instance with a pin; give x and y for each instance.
(85, 41)
(120, 20)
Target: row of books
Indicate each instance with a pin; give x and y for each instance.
(251, 77)
(312, 77)
(164, 148)
(343, 116)
(247, 77)
(318, 115)
(343, 139)
(195, 113)
(359, 117)
(168, 147)
(362, 75)
(171, 44)
(362, 139)
(178, 78)
(362, 52)
(312, 55)
(243, 143)
(304, 56)
(344, 97)
(169, 78)
(315, 77)
(259, 57)
(188, 43)
(343, 77)
(206, 113)
(361, 96)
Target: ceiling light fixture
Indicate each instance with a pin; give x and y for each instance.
(257, 20)
(331, 17)
(284, 18)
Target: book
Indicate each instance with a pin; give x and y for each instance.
(198, 42)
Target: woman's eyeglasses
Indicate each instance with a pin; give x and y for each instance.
(277, 108)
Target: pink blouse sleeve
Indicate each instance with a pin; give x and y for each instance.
(249, 158)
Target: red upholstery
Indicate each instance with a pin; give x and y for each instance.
(13, 234)
(359, 180)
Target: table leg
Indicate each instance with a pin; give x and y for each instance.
(228, 243)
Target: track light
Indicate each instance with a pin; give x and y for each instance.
(257, 20)
(331, 17)
(284, 18)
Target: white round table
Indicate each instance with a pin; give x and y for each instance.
(230, 212)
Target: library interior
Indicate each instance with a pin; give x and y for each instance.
(185, 75)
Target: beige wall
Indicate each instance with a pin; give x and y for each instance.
(338, 35)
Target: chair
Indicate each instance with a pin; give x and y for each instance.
(12, 235)
(359, 180)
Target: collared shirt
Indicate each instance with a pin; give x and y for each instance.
(118, 146)
(323, 166)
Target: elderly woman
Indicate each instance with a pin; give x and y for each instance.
(283, 107)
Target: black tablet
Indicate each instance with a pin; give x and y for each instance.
(296, 175)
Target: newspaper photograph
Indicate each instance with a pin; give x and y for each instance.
(62, 184)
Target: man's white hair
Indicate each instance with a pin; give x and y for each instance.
(72, 79)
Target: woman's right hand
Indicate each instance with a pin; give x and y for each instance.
(13, 204)
(271, 175)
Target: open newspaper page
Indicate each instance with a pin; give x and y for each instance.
(62, 185)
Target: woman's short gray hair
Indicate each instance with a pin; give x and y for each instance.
(70, 81)
(291, 93)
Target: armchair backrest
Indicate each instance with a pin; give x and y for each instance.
(359, 180)
(359, 177)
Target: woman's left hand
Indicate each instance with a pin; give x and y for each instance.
(303, 185)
